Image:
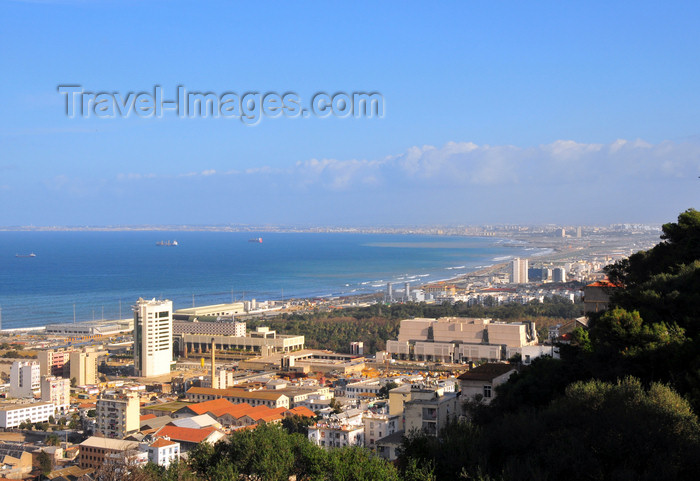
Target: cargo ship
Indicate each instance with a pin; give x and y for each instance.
(26, 255)
(257, 240)
(167, 243)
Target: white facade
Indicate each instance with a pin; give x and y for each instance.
(481, 382)
(25, 379)
(335, 435)
(559, 274)
(429, 410)
(455, 339)
(518, 271)
(363, 389)
(530, 353)
(56, 390)
(153, 337)
(163, 452)
(11, 416)
(378, 426)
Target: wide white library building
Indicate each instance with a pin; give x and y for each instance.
(460, 339)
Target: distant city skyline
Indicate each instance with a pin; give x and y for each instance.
(493, 113)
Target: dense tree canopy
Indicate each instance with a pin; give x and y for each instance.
(596, 431)
(376, 324)
(271, 453)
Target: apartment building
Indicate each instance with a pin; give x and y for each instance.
(53, 362)
(162, 452)
(83, 366)
(378, 426)
(12, 415)
(480, 383)
(118, 414)
(429, 410)
(96, 452)
(56, 390)
(331, 434)
(25, 379)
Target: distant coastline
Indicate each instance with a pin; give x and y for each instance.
(109, 270)
(468, 230)
(101, 273)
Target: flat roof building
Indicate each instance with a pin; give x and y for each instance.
(118, 414)
(214, 310)
(12, 415)
(458, 339)
(25, 379)
(95, 451)
(153, 337)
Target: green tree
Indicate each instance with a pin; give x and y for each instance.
(597, 430)
(580, 337)
(91, 413)
(358, 464)
(45, 463)
(298, 424)
(416, 471)
(384, 390)
(52, 440)
(336, 406)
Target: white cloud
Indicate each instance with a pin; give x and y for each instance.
(465, 164)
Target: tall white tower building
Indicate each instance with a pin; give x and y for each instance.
(153, 337)
(518, 271)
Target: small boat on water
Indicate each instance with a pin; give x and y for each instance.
(167, 243)
(257, 240)
(26, 255)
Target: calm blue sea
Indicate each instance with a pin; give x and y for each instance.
(98, 270)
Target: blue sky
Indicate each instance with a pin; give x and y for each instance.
(495, 112)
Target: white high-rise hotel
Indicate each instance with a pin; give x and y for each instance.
(518, 271)
(153, 337)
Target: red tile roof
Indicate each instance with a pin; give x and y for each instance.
(603, 283)
(146, 417)
(301, 411)
(161, 443)
(214, 406)
(188, 435)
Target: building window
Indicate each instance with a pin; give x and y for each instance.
(487, 391)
